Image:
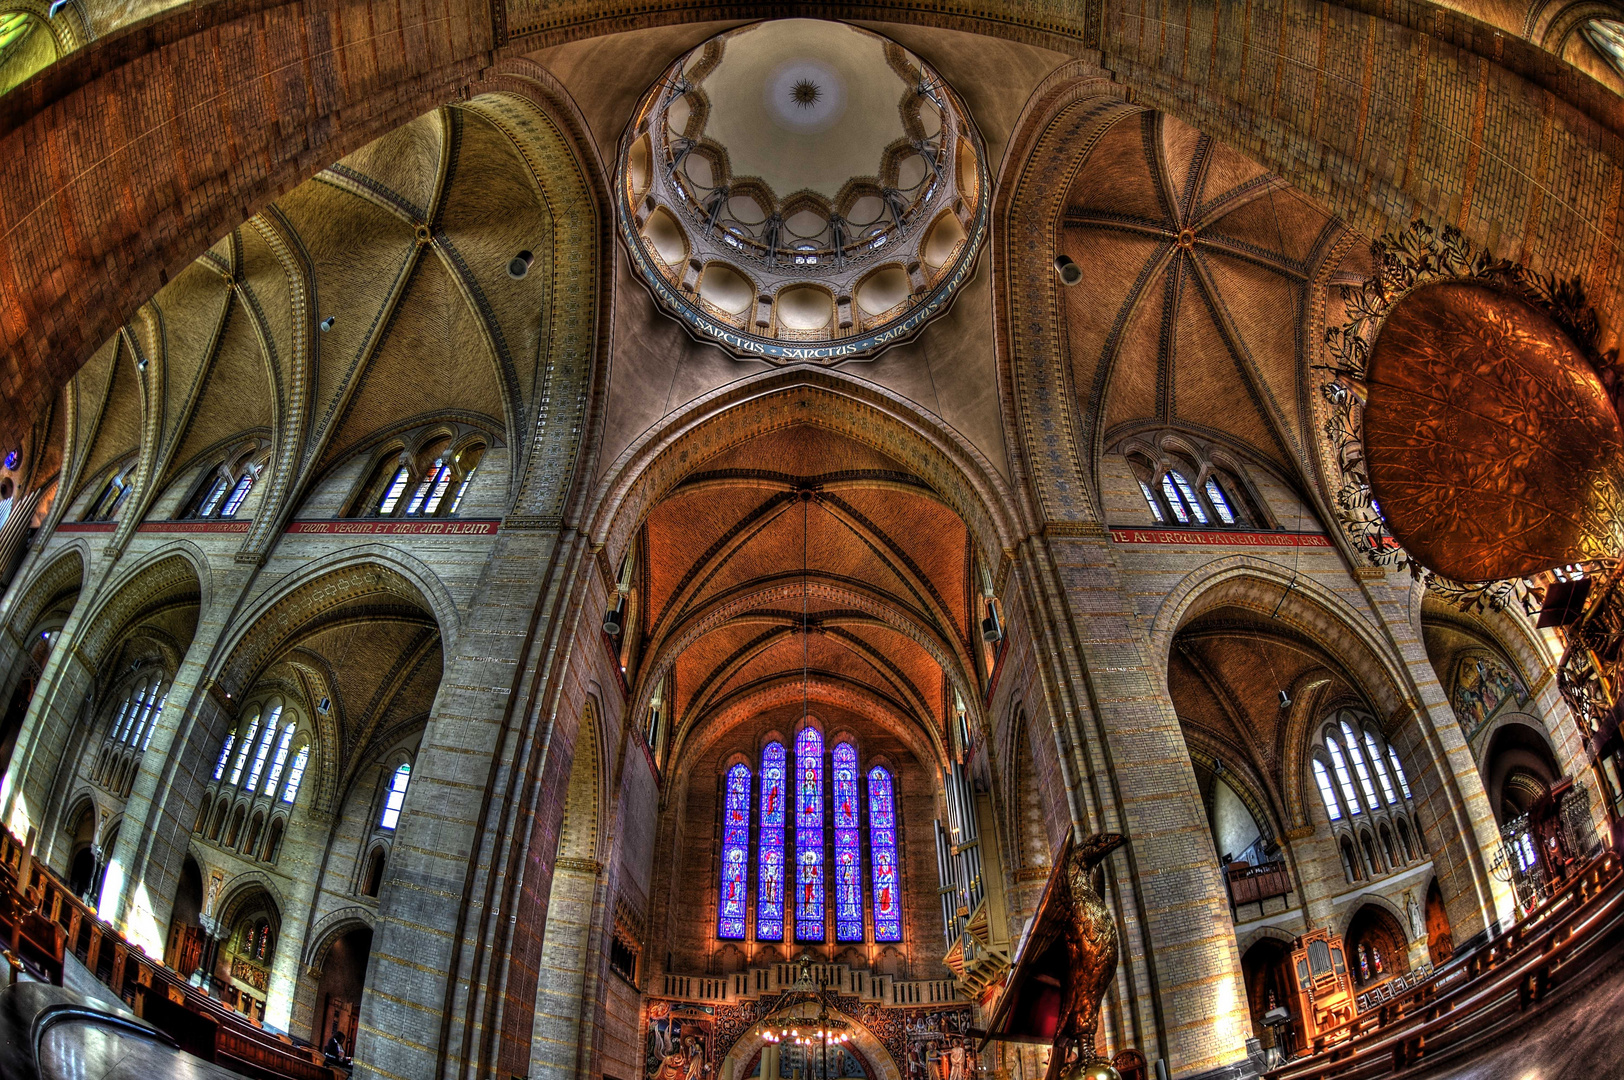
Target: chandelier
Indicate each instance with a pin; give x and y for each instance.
(823, 1029)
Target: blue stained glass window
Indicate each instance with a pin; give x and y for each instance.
(848, 846)
(809, 835)
(735, 854)
(882, 826)
(770, 882)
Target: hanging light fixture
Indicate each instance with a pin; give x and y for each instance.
(822, 1030)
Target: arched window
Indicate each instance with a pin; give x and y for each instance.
(1323, 779)
(1381, 768)
(735, 854)
(1175, 498)
(1154, 504)
(1350, 862)
(374, 875)
(273, 843)
(111, 499)
(263, 749)
(1359, 766)
(209, 502)
(225, 753)
(239, 491)
(882, 831)
(243, 748)
(290, 791)
(1344, 781)
(770, 886)
(1398, 770)
(430, 482)
(1606, 36)
(280, 760)
(392, 493)
(1404, 840)
(1220, 501)
(809, 835)
(397, 796)
(848, 846)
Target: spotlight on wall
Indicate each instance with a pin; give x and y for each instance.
(991, 631)
(327, 323)
(1070, 273)
(615, 617)
(519, 265)
(1285, 700)
(324, 705)
(141, 364)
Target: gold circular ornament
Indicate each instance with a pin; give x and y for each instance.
(1091, 1070)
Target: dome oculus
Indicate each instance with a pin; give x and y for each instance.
(802, 191)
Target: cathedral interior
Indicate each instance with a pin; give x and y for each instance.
(972, 540)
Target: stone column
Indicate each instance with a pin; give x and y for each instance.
(1129, 758)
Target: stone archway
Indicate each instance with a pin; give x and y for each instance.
(1378, 947)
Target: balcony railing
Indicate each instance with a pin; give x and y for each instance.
(1255, 884)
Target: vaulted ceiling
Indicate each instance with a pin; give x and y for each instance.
(800, 549)
(1193, 305)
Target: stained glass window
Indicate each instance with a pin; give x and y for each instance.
(1189, 496)
(735, 853)
(809, 835)
(152, 722)
(212, 499)
(225, 755)
(770, 881)
(1215, 492)
(848, 846)
(1606, 36)
(392, 496)
(882, 830)
(238, 494)
(1323, 779)
(1174, 499)
(1150, 498)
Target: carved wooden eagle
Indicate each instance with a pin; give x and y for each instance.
(1066, 960)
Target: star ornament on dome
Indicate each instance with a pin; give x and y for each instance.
(805, 93)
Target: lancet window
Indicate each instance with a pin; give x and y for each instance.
(1366, 795)
(425, 483)
(1183, 485)
(256, 778)
(839, 810)
(129, 732)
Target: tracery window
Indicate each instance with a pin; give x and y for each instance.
(396, 796)
(848, 846)
(735, 855)
(431, 482)
(882, 826)
(770, 887)
(222, 490)
(1353, 759)
(822, 832)
(129, 732)
(809, 891)
(1188, 490)
(258, 771)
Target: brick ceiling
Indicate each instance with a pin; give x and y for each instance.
(881, 568)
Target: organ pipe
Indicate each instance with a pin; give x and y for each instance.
(949, 889)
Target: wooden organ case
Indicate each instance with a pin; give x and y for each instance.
(1324, 986)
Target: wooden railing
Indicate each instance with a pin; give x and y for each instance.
(1476, 994)
(33, 899)
(1255, 884)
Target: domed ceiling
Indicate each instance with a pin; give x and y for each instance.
(802, 190)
